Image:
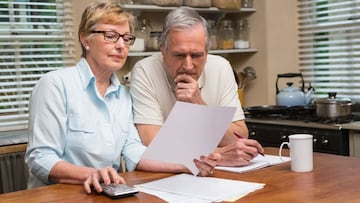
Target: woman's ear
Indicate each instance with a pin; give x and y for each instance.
(84, 41)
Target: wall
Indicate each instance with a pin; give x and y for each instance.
(78, 8)
(273, 33)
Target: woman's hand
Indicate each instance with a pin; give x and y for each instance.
(105, 175)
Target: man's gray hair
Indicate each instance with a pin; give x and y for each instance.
(183, 18)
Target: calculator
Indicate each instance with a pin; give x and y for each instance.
(118, 190)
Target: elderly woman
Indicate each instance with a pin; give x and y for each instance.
(81, 118)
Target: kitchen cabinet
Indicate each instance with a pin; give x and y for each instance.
(139, 10)
(354, 143)
(272, 131)
(354, 137)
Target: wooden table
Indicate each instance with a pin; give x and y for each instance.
(334, 179)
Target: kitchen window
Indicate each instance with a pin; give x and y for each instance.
(35, 37)
(329, 46)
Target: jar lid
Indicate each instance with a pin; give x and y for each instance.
(227, 23)
(332, 99)
(211, 23)
(242, 22)
(155, 34)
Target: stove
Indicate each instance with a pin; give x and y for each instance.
(328, 135)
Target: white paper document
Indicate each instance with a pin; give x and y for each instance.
(189, 188)
(190, 131)
(257, 163)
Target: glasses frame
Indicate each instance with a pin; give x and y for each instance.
(130, 41)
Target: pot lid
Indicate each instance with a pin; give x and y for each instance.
(332, 99)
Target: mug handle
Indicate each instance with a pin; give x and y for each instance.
(281, 147)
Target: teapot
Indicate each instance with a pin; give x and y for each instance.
(290, 95)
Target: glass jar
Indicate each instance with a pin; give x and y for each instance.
(127, 1)
(154, 41)
(213, 34)
(242, 35)
(142, 32)
(247, 3)
(226, 35)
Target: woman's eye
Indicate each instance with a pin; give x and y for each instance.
(111, 36)
(126, 38)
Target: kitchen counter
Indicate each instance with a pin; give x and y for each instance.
(351, 126)
(355, 125)
(296, 123)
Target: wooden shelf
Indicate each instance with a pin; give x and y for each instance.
(153, 8)
(227, 51)
(232, 51)
(138, 8)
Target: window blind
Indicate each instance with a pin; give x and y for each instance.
(329, 46)
(35, 37)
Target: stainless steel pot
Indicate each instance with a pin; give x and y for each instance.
(332, 107)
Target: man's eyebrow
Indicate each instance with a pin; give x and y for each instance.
(198, 53)
(187, 53)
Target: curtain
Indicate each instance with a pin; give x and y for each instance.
(35, 38)
(329, 46)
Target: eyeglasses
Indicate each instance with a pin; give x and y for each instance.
(112, 36)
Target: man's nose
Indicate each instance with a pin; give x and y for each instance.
(188, 65)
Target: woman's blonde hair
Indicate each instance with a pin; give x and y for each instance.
(107, 12)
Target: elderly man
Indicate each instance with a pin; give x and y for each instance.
(185, 72)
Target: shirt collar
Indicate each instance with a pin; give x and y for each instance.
(115, 85)
(88, 78)
(201, 80)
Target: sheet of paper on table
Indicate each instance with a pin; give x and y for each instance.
(190, 131)
(189, 188)
(257, 163)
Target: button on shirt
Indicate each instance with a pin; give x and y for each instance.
(71, 121)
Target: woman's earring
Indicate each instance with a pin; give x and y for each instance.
(87, 48)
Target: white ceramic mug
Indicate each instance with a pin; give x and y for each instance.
(301, 152)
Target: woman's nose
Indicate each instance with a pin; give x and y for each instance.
(120, 43)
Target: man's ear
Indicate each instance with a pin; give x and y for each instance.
(162, 49)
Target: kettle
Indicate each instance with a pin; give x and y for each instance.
(290, 95)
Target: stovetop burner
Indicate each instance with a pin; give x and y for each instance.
(299, 113)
